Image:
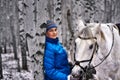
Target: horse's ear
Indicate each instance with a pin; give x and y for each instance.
(102, 35)
(99, 32)
(97, 29)
(117, 26)
(81, 25)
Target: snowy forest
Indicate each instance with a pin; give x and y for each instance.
(22, 34)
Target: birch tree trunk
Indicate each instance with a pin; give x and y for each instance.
(22, 16)
(1, 71)
(13, 37)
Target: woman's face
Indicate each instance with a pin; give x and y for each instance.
(52, 33)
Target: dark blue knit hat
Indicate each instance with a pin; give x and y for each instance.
(50, 24)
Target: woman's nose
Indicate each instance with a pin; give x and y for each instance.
(54, 31)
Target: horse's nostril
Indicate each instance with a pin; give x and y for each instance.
(75, 76)
(81, 72)
(77, 62)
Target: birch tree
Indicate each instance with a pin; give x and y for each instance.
(1, 71)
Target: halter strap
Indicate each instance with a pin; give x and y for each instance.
(96, 48)
(87, 38)
(110, 48)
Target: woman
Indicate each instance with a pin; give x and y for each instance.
(55, 61)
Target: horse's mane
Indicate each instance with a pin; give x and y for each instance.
(86, 32)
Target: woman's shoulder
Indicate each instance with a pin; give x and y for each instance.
(50, 45)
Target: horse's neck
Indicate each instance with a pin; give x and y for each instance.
(105, 44)
(112, 43)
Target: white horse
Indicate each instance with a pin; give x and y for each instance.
(97, 55)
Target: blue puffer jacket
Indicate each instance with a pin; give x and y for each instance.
(55, 64)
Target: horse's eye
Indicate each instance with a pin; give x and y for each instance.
(91, 46)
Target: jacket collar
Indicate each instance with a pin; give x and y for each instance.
(52, 40)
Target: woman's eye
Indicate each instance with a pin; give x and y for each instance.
(91, 46)
(56, 29)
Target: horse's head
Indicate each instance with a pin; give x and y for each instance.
(95, 44)
(86, 48)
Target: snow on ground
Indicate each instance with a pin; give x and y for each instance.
(10, 71)
(23, 75)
